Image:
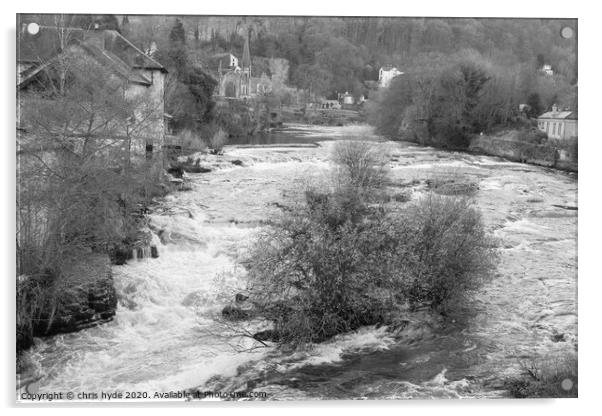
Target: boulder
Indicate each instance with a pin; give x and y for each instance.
(235, 313)
(267, 335)
(120, 255)
(240, 298)
(176, 171)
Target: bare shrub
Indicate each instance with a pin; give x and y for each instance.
(192, 141)
(553, 376)
(403, 196)
(364, 164)
(335, 262)
(322, 268)
(449, 253)
(218, 140)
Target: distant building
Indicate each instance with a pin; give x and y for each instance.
(261, 86)
(226, 60)
(237, 81)
(558, 124)
(39, 54)
(547, 70)
(330, 105)
(346, 99)
(386, 75)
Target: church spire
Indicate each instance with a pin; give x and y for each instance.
(246, 55)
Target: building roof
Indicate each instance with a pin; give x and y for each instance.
(109, 47)
(562, 115)
(222, 55)
(218, 62)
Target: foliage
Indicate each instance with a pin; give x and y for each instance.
(188, 98)
(218, 141)
(192, 141)
(83, 175)
(445, 99)
(317, 273)
(189, 88)
(548, 377)
(363, 163)
(450, 252)
(177, 34)
(535, 105)
(387, 110)
(350, 50)
(338, 260)
(312, 78)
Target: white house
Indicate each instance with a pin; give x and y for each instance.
(386, 75)
(547, 70)
(558, 124)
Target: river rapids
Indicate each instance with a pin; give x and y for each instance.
(166, 335)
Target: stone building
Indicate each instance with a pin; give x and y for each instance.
(141, 78)
(235, 77)
(234, 81)
(558, 124)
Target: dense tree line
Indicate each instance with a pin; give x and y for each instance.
(342, 53)
(351, 50)
(327, 56)
(445, 98)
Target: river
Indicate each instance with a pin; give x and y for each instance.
(166, 335)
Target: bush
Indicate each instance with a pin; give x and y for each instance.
(546, 378)
(403, 196)
(322, 269)
(192, 141)
(218, 141)
(339, 259)
(531, 135)
(448, 253)
(334, 262)
(363, 164)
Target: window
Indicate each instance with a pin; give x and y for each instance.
(149, 151)
(561, 129)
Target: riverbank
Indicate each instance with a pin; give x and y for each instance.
(166, 335)
(560, 155)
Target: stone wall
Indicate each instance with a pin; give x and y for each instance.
(553, 155)
(328, 117)
(81, 297)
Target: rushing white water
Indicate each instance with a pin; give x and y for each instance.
(165, 336)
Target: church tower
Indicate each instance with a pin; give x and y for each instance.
(246, 68)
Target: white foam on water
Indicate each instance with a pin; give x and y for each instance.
(365, 339)
(160, 341)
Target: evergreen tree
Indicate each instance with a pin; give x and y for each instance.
(177, 47)
(535, 106)
(125, 26)
(197, 37)
(178, 34)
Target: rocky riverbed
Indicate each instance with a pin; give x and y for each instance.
(167, 335)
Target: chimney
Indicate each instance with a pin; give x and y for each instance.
(554, 108)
